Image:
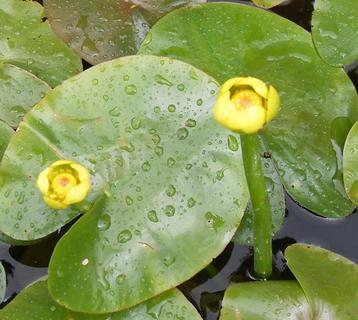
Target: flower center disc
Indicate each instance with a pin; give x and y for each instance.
(246, 98)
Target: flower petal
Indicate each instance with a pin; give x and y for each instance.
(259, 86)
(77, 193)
(273, 104)
(61, 163)
(249, 120)
(82, 172)
(43, 181)
(55, 204)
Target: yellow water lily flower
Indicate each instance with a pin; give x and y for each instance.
(245, 105)
(64, 183)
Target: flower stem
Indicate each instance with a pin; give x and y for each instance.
(261, 207)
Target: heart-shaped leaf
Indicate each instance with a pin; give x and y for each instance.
(28, 42)
(276, 196)
(326, 289)
(328, 280)
(102, 30)
(2, 283)
(350, 164)
(267, 3)
(144, 127)
(271, 300)
(335, 30)
(34, 302)
(226, 41)
(19, 91)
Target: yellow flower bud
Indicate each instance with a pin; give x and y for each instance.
(65, 182)
(245, 105)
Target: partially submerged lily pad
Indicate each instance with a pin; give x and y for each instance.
(101, 30)
(19, 92)
(326, 288)
(350, 164)
(34, 302)
(335, 30)
(2, 282)
(226, 41)
(29, 43)
(143, 126)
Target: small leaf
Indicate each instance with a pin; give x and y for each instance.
(335, 30)
(267, 3)
(30, 44)
(103, 30)
(34, 302)
(350, 164)
(2, 282)
(19, 92)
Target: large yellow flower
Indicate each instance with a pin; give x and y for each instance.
(245, 105)
(65, 182)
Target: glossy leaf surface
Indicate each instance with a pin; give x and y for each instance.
(276, 196)
(29, 43)
(35, 302)
(265, 300)
(335, 30)
(267, 3)
(100, 30)
(2, 282)
(226, 41)
(350, 164)
(328, 280)
(144, 127)
(19, 91)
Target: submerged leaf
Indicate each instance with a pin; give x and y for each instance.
(226, 41)
(34, 302)
(101, 30)
(335, 30)
(29, 43)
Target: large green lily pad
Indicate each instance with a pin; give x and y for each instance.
(2, 282)
(226, 41)
(19, 91)
(244, 234)
(101, 30)
(326, 289)
(269, 300)
(350, 164)
(29, 43)
(328, 280)
(34, 302)
(144, 127)
(335, 30)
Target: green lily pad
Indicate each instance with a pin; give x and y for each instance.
(103, 30)
(276, 196)
(350, 164)
(226, 41)
(326, 289)
(328, 280)
(29, 43)
(268, 300)
(19, 91)
(5, 134)
(34, 302)
(144, 127)
(267, 3)
(2, 283)
(335, 30)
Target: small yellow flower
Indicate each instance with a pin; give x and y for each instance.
(245, 105)
(65, 182)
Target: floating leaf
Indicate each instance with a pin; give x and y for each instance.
(267, 3)
(19, 91)
(326, 289)
(350, 164)
(34, 302)
(2, 282)
(276, 196)
(328, 280)
(225, 41)
(271, 300)
(335, 30)
(102, 30)
(144, 127)
(29, 43)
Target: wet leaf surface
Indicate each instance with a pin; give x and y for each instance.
(302, 138)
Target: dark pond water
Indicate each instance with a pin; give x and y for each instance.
(25, 264)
